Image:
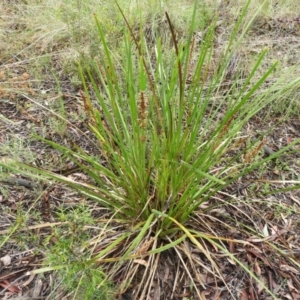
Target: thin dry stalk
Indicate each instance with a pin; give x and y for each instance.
(188, 272)
(150, 81)
(149, 283)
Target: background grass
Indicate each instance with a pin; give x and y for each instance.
(50, 37)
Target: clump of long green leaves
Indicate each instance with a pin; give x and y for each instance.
(163, 135)
(164, 143)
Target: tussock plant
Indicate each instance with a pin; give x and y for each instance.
(168, 134)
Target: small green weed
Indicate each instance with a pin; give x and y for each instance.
(69, 247)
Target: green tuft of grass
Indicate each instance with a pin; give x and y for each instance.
(167, 125)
